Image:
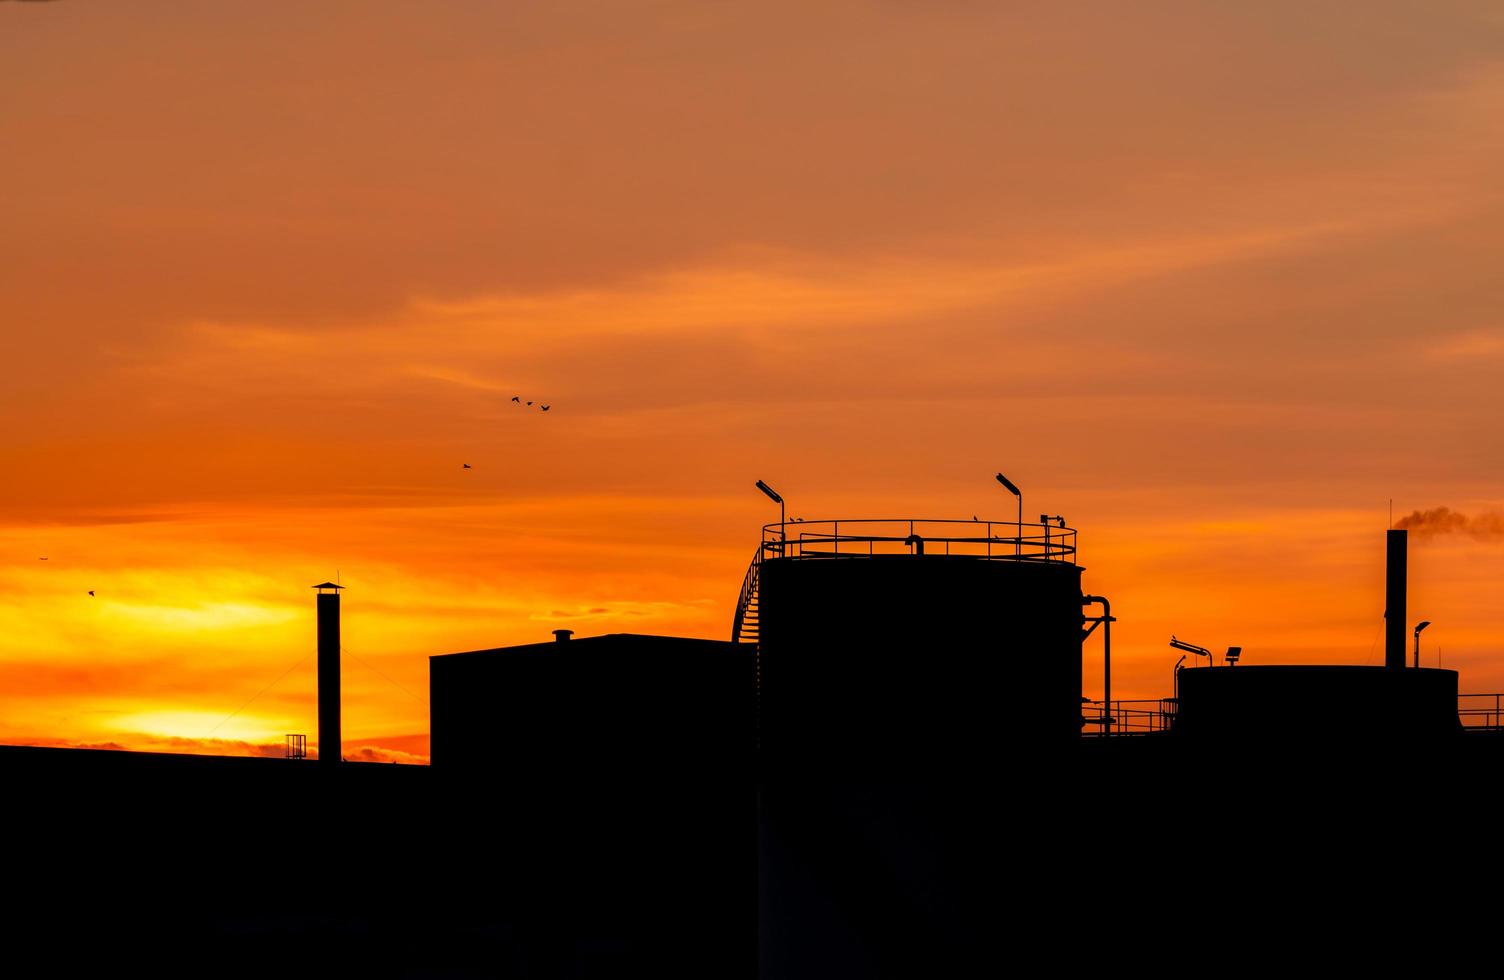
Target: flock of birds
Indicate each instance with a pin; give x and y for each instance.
(516, 400)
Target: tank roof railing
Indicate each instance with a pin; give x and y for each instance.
(870, 537)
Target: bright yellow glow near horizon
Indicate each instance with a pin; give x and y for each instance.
(1216, 284)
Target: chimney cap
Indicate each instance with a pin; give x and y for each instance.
(562, 636)
(327, 585)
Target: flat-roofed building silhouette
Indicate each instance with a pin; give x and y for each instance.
(595, 703)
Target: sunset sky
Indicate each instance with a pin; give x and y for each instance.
(1216, 282)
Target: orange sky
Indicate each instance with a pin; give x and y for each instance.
(1215, 283)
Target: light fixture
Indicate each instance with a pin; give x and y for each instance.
(782, 519)
(1193, 648)
(1018, 542)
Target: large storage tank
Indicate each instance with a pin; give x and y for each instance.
(917, 642)
(910, 672)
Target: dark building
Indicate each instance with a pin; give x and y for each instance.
(628, 761)
(601, 702)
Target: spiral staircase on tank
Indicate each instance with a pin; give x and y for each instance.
(744, 629)
(744, 625)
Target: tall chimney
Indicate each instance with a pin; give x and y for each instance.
(1394, 601)
(330, 749)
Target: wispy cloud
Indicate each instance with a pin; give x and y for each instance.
(146, 742)
(372, 753)
(1468, 345)
(173, 745)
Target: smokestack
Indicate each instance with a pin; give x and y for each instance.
(330, 748)
(1394, 601)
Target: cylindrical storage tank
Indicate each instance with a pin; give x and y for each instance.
(910, 676)
(918, 659)
(1315, 703)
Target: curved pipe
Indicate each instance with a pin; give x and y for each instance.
(916, 542)
(1087, 600)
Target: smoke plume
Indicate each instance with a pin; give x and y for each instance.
(1426, 524)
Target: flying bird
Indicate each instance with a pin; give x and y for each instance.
(91, 592)
(516, 399)
(529, 403)
(467, 466)
(41, 559)
(545, 408)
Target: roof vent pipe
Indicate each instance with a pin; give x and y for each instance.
(562, 636)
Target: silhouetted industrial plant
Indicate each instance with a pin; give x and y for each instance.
(895, 746)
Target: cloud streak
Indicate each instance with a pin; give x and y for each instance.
(174, 745)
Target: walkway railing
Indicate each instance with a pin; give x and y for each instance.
(996, 540)
(1481, 712)
(1137, 717)
(1477, 712)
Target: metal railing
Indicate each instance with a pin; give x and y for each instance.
(1476, 712)
(1137, 717)
(869, 537)
(1481, 712)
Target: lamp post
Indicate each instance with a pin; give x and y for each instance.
(1018, 542)
(1419, 626)
(782, 519)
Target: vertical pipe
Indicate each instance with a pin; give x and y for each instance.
(1087, 600)
(1107, 665)
(1394, 595)
(330, 748)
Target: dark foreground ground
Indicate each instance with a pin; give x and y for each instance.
(1140, 857)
